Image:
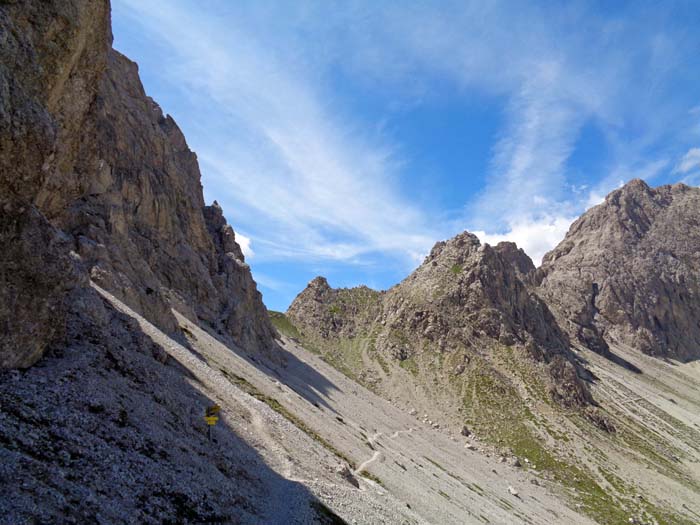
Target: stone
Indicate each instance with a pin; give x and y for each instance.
(344, 471)
(484, 302)
(37, 276)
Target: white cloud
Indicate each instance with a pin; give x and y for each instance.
(690, 161)
(528, 177)
(244, 243)
(621, 174)
(264, 280)
(692, 179)
(535, 237)
(559, 70)
(307, 180)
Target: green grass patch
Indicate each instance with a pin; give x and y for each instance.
(334, 309)
(410, 365)
(498, 413)
(372, 477)
(435, 463)
(283, 325)
(382, 362)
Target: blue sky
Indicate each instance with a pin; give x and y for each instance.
(345, 138)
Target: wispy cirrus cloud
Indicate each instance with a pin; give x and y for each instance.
(690, 161)
(301, 182)
(689, 167)
(557, 69)
(579, 69)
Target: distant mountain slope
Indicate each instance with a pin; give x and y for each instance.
(628, 272)
(477, 341)
(465, 299)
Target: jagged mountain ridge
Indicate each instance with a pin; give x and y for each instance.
(465, 296)
(482, 341)
(626, 273)
(107, 426)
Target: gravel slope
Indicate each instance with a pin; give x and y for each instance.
(416, 474)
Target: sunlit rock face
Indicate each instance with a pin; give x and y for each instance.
(628, 272)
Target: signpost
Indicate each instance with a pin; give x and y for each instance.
(210, 416)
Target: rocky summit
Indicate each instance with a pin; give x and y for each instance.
(142, 379)
(482, 343)
(464, 298)
(628, 272)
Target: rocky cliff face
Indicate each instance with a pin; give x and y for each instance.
(331, 312)
(51, 58)
(97, 182)
(475, 291)
(628, 272)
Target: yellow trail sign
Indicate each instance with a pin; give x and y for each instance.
(211, 420)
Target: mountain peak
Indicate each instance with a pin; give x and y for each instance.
(319, 282)
(626, 270)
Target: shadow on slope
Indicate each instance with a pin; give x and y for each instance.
(621, 361)
(102, 430)
(610, 356)
(288, 368)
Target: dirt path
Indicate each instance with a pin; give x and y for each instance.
(363, 466)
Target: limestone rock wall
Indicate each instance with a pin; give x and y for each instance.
(96, 181)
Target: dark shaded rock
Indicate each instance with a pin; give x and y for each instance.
(596, 416)
(516, 257)
(37, 271)
(51, 57)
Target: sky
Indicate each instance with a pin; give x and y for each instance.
(345, 138)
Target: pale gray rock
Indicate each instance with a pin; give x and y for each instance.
(628, 271)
